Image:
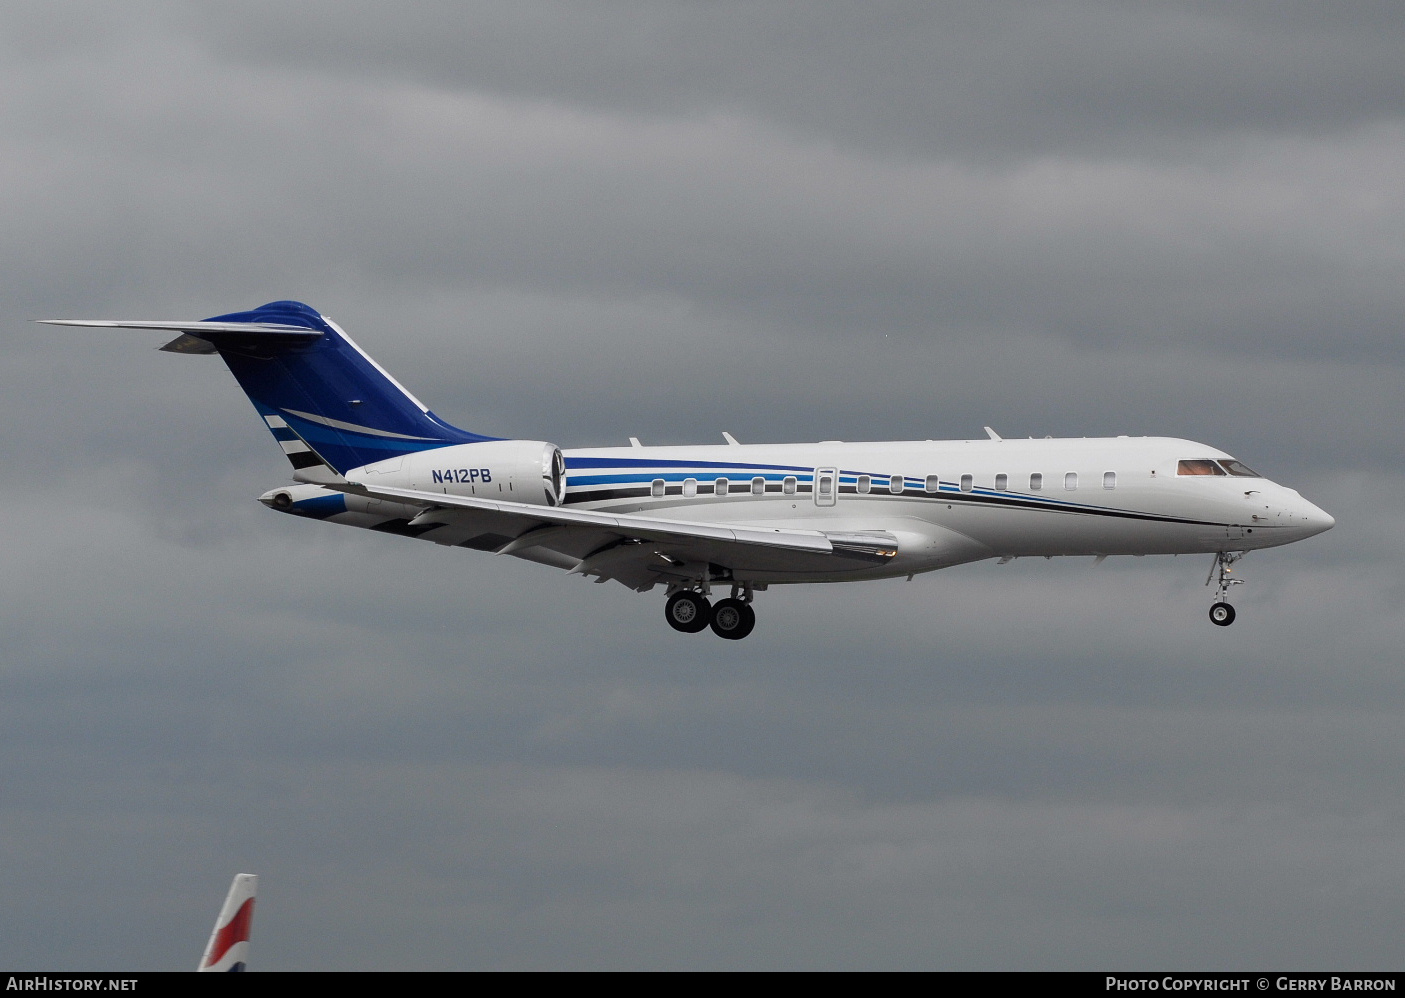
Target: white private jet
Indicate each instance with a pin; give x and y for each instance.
(732, 516)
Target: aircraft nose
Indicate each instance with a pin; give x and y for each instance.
(1290, 515)
(1311, 519)
(1318, 519)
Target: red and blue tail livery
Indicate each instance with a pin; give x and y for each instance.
(228, 948)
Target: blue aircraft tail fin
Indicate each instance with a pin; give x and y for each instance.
(324, 399)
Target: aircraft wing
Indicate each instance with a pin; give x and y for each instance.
(637, 551)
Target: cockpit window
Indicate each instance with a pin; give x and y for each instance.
(1238, 468)
(1204, 467)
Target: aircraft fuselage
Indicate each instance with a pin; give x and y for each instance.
(954, 501)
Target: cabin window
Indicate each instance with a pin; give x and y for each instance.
(788, 486)
(1071, 480)
(1203, 466)
(895, 485)
(1002, 482)
(1036, 482)
(758, 486)
(1238, 468)
(690, 486)
(864, 485)
(933, 483)
(656, 488)
(967, 483)
(826, 486)
(720, 487)
(1109, 480)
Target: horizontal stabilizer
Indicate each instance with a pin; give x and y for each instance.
(185, 343)
(204, 336)
(195, 328)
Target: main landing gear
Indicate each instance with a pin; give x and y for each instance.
(1222, 613)
(689, 611)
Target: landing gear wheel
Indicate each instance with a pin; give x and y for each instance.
(732, 619)
(1222, 614)
(688, 612)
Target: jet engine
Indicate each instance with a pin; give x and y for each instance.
(529, 471)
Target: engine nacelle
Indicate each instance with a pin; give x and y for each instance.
(530, 471)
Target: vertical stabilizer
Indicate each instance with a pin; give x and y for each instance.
(228, 948)
(328, 404)
(326, 401)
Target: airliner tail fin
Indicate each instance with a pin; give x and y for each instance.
(228, 948)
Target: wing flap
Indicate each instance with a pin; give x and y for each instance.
(640, 527)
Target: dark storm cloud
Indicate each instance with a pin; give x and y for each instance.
(955, 79)
(790, 222)
(1240, 244)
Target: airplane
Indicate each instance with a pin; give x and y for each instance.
(731, 517)
(228, 948)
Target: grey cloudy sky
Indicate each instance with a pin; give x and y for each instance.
(801, 221)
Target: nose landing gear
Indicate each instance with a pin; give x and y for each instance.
(688, 610)
(1221, 613)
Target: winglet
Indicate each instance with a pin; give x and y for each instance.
(228, 948)
(731, 440)
(992, 434)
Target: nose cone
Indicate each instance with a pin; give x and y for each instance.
(1314, 520)
(1286, 515)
